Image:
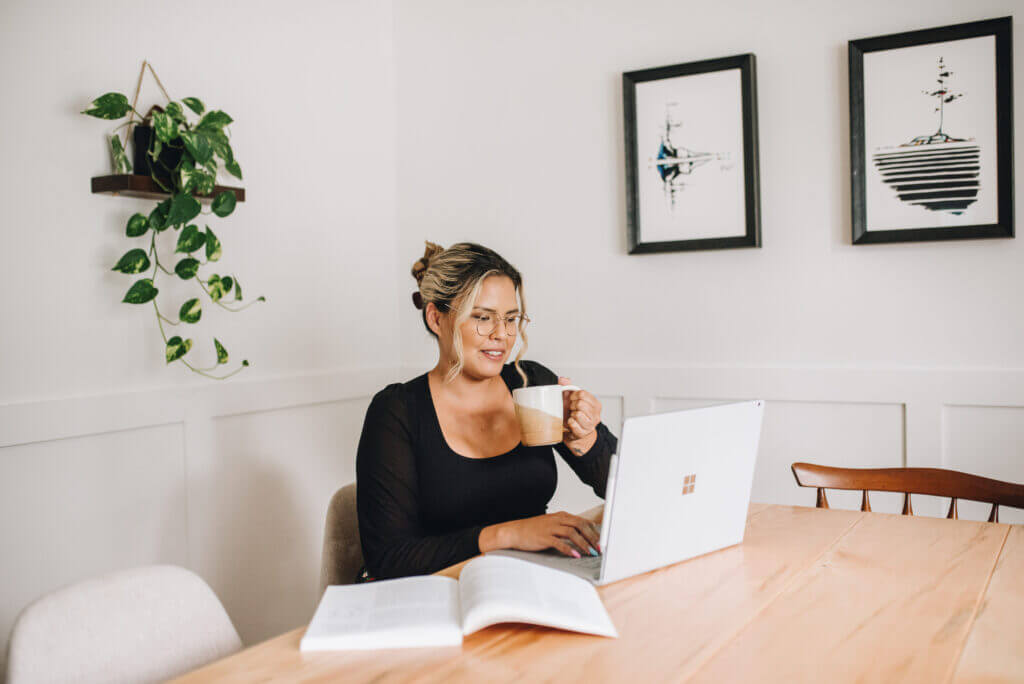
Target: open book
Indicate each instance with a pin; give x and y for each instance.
(437, 611)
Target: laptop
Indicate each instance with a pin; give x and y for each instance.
(678, 488)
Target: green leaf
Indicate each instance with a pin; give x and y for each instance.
(212, 246)
(190, 311)
(261, 299)
(234, 169)
(195, 104)
(141, 292)
(187, 268)
(224, 203)
(204, 182)
(216, 287)
(187, 174)
(184, 207)
(158, 217)
(176, 348)
(214, 121)
(245, 362)
(165, 127)
(198, 145)
(137, 225)
(121, 163)
(197, 180)
(221, 145)
(222, 353)
(109, 106)
(190, 240)
(238, 290)
(175, 112)
(228, 282)
(134, 261)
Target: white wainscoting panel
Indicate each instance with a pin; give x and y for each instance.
(850, 435)
(232, 479)
(572, 495)
(844, 416)
(73, 508)
(258, 495)
(986, 441)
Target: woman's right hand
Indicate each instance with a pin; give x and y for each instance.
(561, 531)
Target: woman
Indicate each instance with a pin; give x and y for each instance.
(442, 473)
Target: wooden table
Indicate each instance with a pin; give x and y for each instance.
(811, 595)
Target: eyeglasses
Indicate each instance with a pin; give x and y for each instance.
(486, 324)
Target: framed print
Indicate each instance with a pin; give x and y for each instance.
(691, 156)
(931, 134)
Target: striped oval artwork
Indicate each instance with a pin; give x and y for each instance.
(939, 175)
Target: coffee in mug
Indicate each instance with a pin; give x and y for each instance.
(539, 410)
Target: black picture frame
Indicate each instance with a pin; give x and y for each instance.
(746, 63)
(862, 233)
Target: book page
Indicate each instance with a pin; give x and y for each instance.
(412, 611)
(495, 589)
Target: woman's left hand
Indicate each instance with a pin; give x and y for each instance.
(582, 412)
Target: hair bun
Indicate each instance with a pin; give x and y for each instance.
(419, 269)
(417, 300)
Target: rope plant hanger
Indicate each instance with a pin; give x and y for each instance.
(182, 151)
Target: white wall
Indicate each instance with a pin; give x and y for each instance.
(312, 95)
(365, 128)
(511, 134)
(108, 458)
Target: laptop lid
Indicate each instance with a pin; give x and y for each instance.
(681, 487)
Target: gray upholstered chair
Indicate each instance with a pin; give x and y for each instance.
(343, 553)
(146, 624)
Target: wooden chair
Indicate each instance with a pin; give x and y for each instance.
(933, 481)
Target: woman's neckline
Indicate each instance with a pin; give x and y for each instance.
(440, 431)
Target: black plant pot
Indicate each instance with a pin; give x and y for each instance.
(168, 159)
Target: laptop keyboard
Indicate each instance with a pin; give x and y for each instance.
(585, 563)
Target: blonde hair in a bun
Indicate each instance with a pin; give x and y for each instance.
(423, 263)
(451, 279)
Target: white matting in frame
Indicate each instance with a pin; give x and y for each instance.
(906, 99)
(690, 170)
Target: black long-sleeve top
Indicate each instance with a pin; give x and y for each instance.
(422, 506)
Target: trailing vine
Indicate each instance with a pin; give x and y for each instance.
(183, 161)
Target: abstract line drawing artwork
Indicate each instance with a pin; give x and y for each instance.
(931, 133)
(937, 172)
(691, 156)
(675, 163)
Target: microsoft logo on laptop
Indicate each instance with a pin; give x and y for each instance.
(689, 482)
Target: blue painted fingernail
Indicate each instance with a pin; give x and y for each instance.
(592, 551)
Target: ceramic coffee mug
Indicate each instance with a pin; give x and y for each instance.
(539, 410)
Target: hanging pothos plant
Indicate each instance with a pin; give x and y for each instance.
(182, 159)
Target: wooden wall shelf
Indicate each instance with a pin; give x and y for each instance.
(131, 185)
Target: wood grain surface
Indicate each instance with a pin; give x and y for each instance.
(892, 601)
(995, 648)
(810, 595)
(673, 619)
